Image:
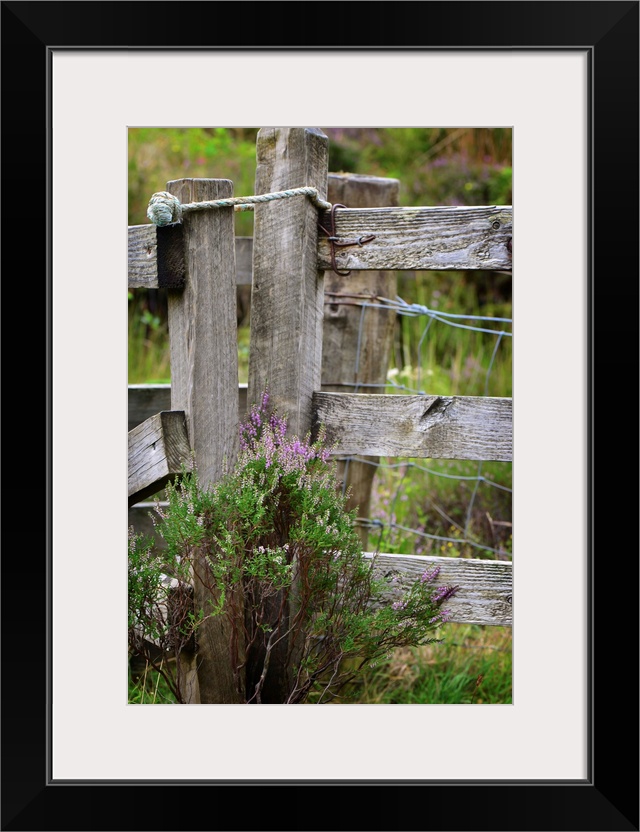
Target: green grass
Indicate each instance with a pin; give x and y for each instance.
(473, 518)
(446, 360)
(473, 666)
(468, 502)
(244, 333)
(147, 686)
(148, 342)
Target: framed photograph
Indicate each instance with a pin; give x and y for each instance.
(563, 76)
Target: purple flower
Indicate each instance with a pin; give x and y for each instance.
(430, 575)
(444, 592)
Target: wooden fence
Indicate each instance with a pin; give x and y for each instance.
(292, 266)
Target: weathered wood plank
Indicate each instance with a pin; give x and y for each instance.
(204, 383)
(287, 293)
(421, 238)
(203, 330)
(244, 260)
(149, 270)
(156, 257)
(357, 342)
(493, 416)
(287, 299)
(142, 259)
(436, 427)
(157, 449)
(485, 587)
(411, 239)
(145, 400)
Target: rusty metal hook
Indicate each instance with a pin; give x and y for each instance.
(335, 241)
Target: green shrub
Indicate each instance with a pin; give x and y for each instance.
(282, 564)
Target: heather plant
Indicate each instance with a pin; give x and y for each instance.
(279, 555)
(160, 609)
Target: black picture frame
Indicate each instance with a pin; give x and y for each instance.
(608, 799)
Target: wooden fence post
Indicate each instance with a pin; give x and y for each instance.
(287, 296)
(204, 384)
(287, 292)
(357, 341)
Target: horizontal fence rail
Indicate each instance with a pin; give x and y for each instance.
(375, 424)
(420, 238)
(436, 427)
(484, 594)
(156, 257)
(411, 239)
(157, 450)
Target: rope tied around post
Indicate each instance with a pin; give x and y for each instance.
(166, 209)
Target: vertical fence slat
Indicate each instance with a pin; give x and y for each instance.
(287, 293)
(357, 340)
(204, 383)
(286, 303)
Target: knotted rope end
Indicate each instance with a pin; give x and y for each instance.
(164, 209)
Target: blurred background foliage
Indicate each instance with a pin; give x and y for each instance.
(435, 165)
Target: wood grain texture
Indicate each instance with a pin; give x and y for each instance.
(357, 341)
(244, 260)
(171, 262)
(145, 400)
(485, 587)
(204, 383)
(157, 449)
(285, 349)
(421, 238)
(411, 239)
(146, 272)
(287, 292)
(156, 257)
(203, 330)
(142, 259)
(436, 427)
